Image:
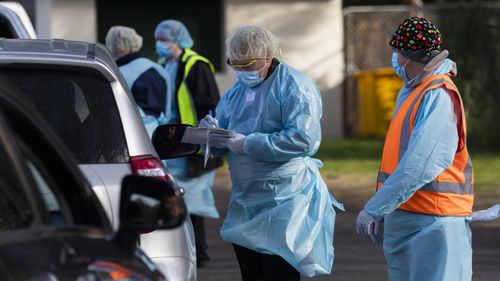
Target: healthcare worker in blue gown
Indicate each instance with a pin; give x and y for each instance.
(280, 218)
(147, 80)
(426, 236)
(193, 94)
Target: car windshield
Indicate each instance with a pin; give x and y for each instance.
(80, 107)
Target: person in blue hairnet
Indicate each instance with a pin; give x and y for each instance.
(280, 218)
(425, 182)
(147, 80)
(193, 95)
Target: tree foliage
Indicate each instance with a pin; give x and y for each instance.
(472, 35)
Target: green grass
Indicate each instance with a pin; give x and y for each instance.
(360, 158)
(486, 169)
(350, 157)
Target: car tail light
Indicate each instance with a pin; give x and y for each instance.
(149, 166)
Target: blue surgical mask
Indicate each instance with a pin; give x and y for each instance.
(248, 78)
(398, 69)
(164, 50)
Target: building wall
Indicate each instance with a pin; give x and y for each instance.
(67, 19)
(310, 32)
(311, 38)
(205, 23)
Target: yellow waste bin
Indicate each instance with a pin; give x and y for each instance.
(377, 92)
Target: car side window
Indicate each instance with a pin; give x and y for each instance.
(55, 191)
(46, 186)
(47, 193)
(15, 210)
(79, 104)
(64, 196)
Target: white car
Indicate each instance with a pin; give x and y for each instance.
(14, 22)
(80, 91)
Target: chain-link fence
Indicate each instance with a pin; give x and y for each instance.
(367, 31)
(471, 32)
(367, 34)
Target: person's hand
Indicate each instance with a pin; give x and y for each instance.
(233, 141)
(236, 142)
(218, 141)
(366, 224)
(489, 214)
(208, 122)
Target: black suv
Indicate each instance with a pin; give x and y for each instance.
(52, 226)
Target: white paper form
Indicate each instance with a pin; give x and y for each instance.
(202, 136)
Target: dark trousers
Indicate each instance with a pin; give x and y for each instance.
(200, 238)
(255, 266)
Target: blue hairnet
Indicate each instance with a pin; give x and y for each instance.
(175, 31)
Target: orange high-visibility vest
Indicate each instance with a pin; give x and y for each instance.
(452, 192)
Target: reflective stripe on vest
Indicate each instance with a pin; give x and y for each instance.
(451, 193)
(187, 110)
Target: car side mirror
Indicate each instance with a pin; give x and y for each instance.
(148, 204)
(166, 140)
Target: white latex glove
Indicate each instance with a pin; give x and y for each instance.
(233, 142)
(236, 142)
(489, 214)
(366, 224)
(208, 122)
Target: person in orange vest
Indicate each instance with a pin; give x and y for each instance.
(425, 188)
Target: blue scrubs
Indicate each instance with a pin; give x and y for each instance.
(279, 203)
(421, 247)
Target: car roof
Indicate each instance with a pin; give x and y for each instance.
(19, 20)
(58, 51)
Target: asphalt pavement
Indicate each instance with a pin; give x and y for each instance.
(356, 258)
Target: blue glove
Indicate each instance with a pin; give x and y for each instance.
(366, 224)
(208, 122)
(489, 214)
(233, 141)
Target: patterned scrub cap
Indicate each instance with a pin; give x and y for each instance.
(417, 38)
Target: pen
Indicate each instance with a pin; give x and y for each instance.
(214, 125)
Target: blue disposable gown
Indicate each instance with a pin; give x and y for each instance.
(416, 246)
(198, 191)
(279, 204)
(131, 72)
(198, 194)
